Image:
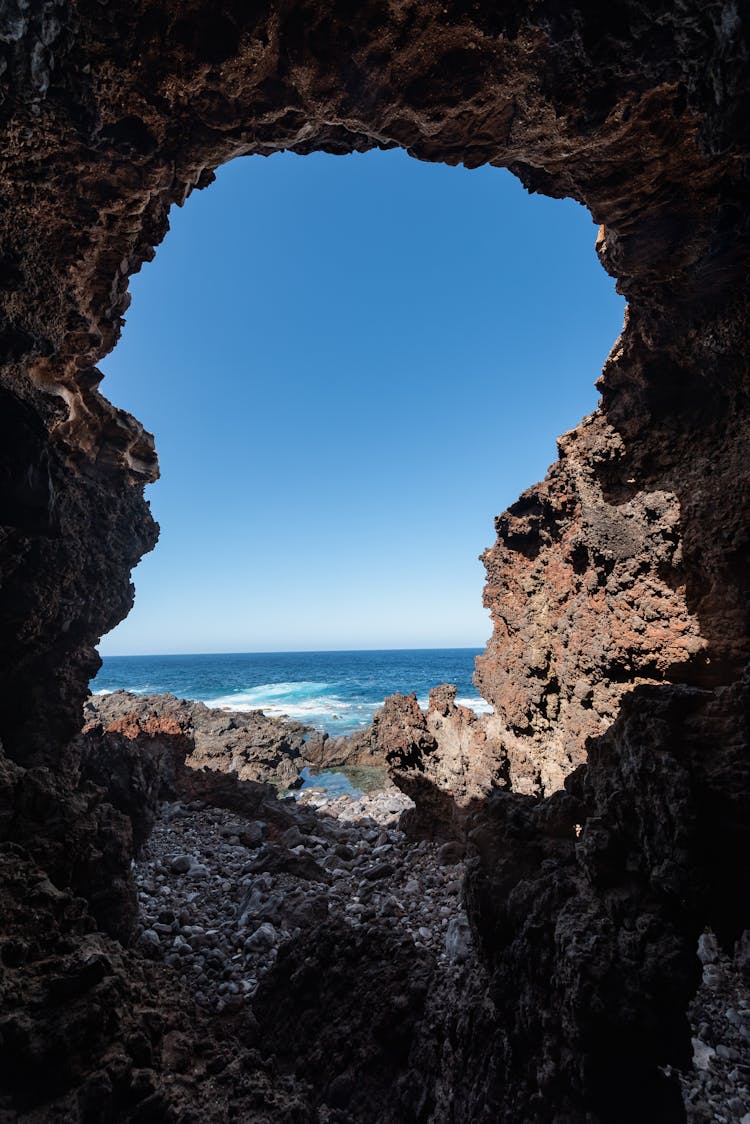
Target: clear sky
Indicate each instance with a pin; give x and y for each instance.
(351, 365)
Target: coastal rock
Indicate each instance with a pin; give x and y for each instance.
(348, 750)
(248, 744)
(588, 600)
(136, 765)
(445, 759)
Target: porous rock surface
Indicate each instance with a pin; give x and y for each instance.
(618, 587)
(447, 759)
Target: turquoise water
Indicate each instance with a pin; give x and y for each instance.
(354, 782)
(334, 691)
(332, 781)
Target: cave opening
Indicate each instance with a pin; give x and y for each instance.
(338, 355)
(587, 903)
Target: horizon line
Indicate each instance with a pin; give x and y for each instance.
(292, 652)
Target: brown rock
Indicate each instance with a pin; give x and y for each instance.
(618, 587)
(346, 750)
(445, 759)
(247, 744)
(588, 599)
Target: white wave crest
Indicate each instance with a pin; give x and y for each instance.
(269, 694)
(303, 702)
(477, 704)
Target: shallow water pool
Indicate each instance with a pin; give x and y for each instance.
(353, 782)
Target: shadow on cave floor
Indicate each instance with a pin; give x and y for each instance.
(389, 979)
(339, 936)
(354, 952)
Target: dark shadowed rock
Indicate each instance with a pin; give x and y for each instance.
(618, 587)
(280, 860)
(136, 765)
(370, 981)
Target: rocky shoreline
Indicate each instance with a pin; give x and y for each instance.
(293, 960)
(444, 758)
(234, 895)
(252, 745)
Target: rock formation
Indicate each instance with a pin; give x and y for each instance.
(346, 750)
(248, 744)
(588, 599)
(618, 587)
(446, 759)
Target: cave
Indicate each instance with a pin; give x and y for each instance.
(618, 586)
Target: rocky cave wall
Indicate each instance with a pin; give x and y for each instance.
(618, 586)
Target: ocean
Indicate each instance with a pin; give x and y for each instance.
(334, 691)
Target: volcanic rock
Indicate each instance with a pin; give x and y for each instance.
(618, 587)
(444, 759)
(348, 750)
(248, 744)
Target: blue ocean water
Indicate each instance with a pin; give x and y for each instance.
(334, 691)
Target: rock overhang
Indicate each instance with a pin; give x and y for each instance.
(113, 113)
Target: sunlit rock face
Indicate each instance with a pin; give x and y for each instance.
(588, 599)
(618, 587)
(446, 759)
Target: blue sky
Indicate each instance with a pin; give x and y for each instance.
(351, 365)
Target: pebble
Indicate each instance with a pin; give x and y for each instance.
(716, 1088)
(702, 1054)
(149, 940)
(708, 948)
(380, 870)
(458, 939)
(451, 853)
(262, 939)
(208, 909)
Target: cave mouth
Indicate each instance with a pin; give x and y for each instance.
(589, 942)
(329, 351)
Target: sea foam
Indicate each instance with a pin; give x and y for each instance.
(306, 701)
(269, 694)
(334, 691)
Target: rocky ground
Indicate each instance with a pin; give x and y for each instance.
(718, 1087)
(219, 894)
(334, 928)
